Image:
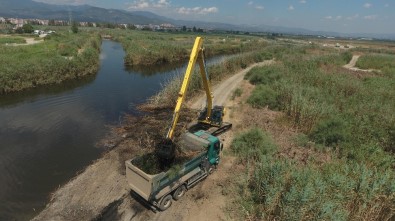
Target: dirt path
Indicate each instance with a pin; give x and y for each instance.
(222, 91)
(101, 192)
(353, 62)
(29, 41)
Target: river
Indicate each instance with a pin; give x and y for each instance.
(49, 134)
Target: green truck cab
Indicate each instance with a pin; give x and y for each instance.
(160, 189)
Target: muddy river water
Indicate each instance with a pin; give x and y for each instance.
(49, 134)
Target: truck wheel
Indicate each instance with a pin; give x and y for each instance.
(165, 203)
(180, 191)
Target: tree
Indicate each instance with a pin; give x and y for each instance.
(74, 27)
(194, 29)
(51, 22)
(19, 30)
(27, 28)
(184, 28)
(132, 26)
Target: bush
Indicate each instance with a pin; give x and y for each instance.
(266, 75)
(263, 96)
(330, 132)
(236, 93)
(253, 145)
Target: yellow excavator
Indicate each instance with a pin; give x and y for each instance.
(210, 118)
(160, 189)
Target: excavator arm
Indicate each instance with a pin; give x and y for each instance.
(196, 54)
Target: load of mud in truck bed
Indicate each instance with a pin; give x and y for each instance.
(143, 135)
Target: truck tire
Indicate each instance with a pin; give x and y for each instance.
(165, 203)
(180, 191)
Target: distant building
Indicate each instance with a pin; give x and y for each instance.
(18, 22)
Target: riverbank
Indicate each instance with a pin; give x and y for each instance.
(60, 57)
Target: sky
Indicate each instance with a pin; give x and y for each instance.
(345, 16)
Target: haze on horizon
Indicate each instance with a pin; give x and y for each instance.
(353, 16)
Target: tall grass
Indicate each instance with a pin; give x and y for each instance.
(310, 97)
(12, 40)
(354, 116)
(275, 188)
(383, 62)
(169, 93)
(60, 57)
(150, 48)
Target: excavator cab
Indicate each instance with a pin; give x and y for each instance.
(216, 118)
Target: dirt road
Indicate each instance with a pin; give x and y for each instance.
(101, 191)
(222, 91)
(353, 62)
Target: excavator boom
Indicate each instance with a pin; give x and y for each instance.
(197, 53)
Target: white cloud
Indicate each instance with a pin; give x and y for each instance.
(291, 8)
(387, 5)
(146, 4)
(161, 4)
(65, 2)
(197, 10)
(303, 1)
(353, 17)
(370, 17)
(259, 7)
(250, 3)
(337, 18)
(367, 5)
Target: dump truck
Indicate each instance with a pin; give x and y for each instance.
(160, 189)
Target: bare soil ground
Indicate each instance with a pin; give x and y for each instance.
(101, 192)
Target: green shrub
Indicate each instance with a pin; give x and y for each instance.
(252, 145)
(330, 132)
(263, 96)
(346, 56)
(301, 140)
(236, 93)
(263, 75)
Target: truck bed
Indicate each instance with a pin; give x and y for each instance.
(152, 187)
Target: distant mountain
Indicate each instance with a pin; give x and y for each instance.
(32, 9)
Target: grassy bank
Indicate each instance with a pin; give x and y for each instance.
(218, 72)
(335, 110)
(149, 48)
(60, 57)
